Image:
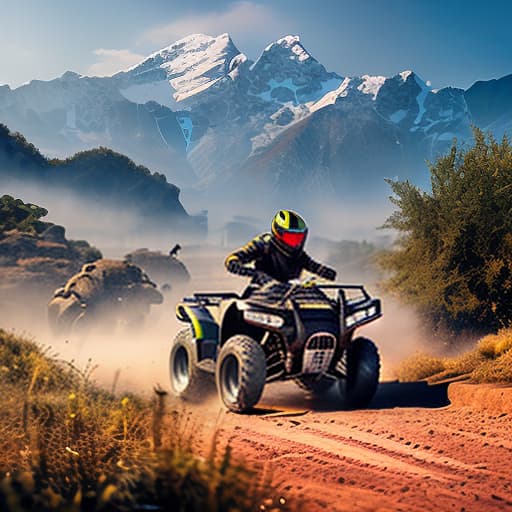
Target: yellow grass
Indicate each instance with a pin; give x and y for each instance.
(489, 361)
(66, 445)
(418, 367)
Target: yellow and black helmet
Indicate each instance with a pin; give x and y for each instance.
(289, 229)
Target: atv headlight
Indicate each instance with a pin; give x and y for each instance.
(266, 319)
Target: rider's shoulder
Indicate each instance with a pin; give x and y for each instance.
(261, 242)
(265, 238)
(258, 242)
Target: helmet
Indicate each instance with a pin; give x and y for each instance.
(289, 230)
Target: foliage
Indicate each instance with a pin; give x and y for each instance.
(67, 445)
(18, 151)
(489, 361)
(15, 214)
(454, 256)
(100, 174)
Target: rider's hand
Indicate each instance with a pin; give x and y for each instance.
(234, 266)
(327, 273)
(261, 278)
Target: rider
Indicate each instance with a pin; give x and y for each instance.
(278, 255)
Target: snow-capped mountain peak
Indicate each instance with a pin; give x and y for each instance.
(287, 47)
(406, 74)
(190, 65)
(371, 85)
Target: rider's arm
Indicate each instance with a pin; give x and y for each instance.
(320, 270)
(237, 261)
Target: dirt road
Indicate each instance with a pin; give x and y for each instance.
(410, 451)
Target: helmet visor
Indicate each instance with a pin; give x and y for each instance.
(292, 239)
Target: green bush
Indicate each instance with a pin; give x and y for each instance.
(15, 214)
(453, 258)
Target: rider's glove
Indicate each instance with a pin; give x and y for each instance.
(261, 278)
(234, 266)
(327, 273)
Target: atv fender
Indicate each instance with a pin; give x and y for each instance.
(204, 329)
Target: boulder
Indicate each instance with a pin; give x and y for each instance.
(103, 294)
(164, 269)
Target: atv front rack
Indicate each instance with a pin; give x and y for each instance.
(356, 310)
(210, 298)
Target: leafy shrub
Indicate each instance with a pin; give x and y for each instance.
(453, 259)
(15, 214)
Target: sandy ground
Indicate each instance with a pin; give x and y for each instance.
(410, 451)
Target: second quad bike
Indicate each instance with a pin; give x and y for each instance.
(299, 330)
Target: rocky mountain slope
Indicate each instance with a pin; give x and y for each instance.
(35, 256)
(204, 114)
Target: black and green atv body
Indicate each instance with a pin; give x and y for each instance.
(281, 331)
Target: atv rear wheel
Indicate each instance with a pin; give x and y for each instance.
(188, 381)
(363, 368)
(241, 372)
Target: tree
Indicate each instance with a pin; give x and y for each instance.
(453, 257)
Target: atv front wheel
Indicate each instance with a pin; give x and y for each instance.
(363, 368)
(241, 372)
(188, 381)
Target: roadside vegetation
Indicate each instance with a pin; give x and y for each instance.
(453, 260)
(489, 361)
(68, 445)
(453, 257)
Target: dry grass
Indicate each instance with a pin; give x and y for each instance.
(497, 370)
(490, 361)
(66, 445)
(494, 345)
(419, 366)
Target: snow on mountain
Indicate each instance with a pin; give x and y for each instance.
(202, 106)
(286, 71)
(371, 84)
(190, 66)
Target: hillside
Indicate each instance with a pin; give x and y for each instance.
(109, 178)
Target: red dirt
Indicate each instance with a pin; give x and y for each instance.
(404, 454)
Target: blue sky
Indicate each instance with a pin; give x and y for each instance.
(449, 42)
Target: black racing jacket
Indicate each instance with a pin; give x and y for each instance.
(271, 259)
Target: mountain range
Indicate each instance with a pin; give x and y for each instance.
(217, 123)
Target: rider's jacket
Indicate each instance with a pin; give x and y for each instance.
(270, 258)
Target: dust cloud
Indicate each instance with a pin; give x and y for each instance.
(137, 359)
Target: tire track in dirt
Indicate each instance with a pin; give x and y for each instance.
(383, 459)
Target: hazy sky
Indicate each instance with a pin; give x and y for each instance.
(449, 42)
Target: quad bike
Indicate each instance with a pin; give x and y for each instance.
(299, 330)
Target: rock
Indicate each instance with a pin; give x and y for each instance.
(54, 233)
(162, 268)
(103, 294)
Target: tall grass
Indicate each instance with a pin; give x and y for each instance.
(489, 361)
(67, 445)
